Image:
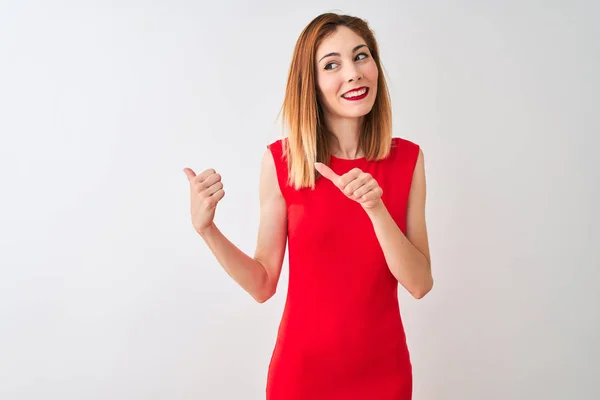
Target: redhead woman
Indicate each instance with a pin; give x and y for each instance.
(348, 198)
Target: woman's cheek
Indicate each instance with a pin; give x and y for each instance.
(373, 71)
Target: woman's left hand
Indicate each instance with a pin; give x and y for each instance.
(355, 184)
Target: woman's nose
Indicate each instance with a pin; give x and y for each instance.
(354, 74)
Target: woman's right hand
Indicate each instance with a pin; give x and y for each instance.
(206, 190)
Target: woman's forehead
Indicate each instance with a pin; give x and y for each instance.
(343, 40)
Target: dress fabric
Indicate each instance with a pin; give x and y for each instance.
(341, 334)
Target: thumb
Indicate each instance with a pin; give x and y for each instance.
(189, 173)
(327, 172)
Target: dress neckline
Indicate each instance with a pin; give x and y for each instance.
(347, 159)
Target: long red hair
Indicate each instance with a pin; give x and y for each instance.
(308, 137)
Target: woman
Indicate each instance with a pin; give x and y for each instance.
(350, 200)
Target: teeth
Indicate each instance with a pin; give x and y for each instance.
(356, 93)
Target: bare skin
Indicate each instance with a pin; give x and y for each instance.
(407, 256)
(351, 67)
(258, 275)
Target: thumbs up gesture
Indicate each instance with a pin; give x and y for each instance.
(357, 185)
(206, 190)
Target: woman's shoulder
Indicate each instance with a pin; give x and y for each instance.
(278, 148)
(279, 143)
(398, 142)
(405, 150)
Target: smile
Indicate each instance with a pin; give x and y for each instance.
(359, 94)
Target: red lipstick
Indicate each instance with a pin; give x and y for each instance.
(362, 96)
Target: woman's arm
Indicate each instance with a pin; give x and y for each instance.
(407, 256)
(259, 275)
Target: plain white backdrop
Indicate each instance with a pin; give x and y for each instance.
(107, 292)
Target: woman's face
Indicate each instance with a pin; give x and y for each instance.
(350, 67)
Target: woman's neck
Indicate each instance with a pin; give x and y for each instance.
(346, 132)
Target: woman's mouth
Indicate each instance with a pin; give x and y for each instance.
(358, 94)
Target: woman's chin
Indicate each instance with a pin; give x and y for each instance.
(356, 113)
(349, 112)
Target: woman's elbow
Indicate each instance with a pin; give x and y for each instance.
(264, 296)
(423, 290)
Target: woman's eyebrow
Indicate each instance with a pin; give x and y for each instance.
(338, 54)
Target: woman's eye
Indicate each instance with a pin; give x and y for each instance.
(333, 63)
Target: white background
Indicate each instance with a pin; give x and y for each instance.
(107, 292)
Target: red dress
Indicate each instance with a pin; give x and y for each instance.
(341, 334)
